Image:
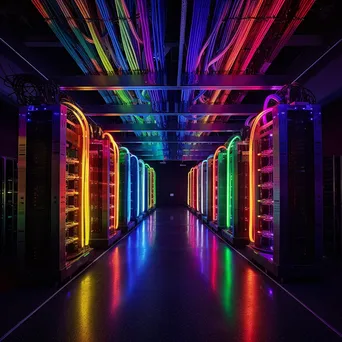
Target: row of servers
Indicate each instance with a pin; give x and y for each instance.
(77, 190)
(263, 190)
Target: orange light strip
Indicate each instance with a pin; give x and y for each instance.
(214, 193)
(252, 172)
(85, 206)
(117, 176)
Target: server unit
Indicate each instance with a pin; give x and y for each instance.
(285, 190)
(126, 221)
(236, 230)
(199, 190)
(147, 187)
(152, 188)
(8, 205)
(219, 192)
(135, 184)
(204, 195)
(53, 190)
(104, 191)
(209, 190)
(143, 189)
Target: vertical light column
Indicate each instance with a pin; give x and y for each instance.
(214, 190)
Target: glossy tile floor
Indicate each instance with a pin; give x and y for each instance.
(172, 280)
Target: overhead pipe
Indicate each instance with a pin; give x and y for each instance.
(181, 40)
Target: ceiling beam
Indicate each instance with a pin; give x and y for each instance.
(295, 40)
(160, 150)
(143, 82)
(157, 139)
(189, 127)
(146, 110)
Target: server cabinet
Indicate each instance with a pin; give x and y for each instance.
(53, 218)
(285, 211)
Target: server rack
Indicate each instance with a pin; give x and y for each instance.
(135, 184)
(209, 189)
(147, 187)
(53, 191)
(219, 183)
(236, 231)
(143, 189)
(125, 212)
(8, 205)
(191, 188)
(104, 191)
(222, 177)
(204, 199)
(199, 189)
(154, 190)
(285, 190)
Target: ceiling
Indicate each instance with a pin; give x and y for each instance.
(171, 80)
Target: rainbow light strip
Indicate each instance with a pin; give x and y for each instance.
(253, 171)
(230, 182)
(117, 177)
(214, 193)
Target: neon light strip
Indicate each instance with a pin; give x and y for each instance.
(192, 187)
(202, 186)
(85, 206)
(252, 172)
(230, 182)
(149, 185)
(214, 193)
(154, 188)
(129, 185)
(188, 189)
(117, 177)
(195, 173)
(198, 188)
(142, 202)
(138, 184)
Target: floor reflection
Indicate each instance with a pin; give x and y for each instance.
(129, 261)
(216, 263)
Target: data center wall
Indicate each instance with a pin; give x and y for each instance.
(172, 179)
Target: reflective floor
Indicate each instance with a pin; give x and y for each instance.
(172, 280)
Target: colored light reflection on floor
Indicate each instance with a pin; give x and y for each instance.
(125, 275)
(86, 309)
